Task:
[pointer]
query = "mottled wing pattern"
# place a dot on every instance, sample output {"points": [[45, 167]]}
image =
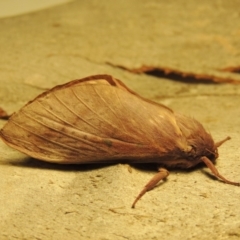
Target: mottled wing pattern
{"points": [[96, 120]]}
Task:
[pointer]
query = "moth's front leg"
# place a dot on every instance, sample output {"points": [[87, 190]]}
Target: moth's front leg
{"points": [[162, 173]]}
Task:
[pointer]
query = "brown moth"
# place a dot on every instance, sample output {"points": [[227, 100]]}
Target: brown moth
{"points": [[99, 120]]}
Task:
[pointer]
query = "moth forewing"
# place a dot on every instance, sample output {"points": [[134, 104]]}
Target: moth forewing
{"points": [[66, 125]]}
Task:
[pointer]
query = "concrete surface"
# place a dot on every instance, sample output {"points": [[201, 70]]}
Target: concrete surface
{"points": [[49, 201]]}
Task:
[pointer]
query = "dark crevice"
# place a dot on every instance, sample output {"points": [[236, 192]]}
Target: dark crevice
{"points": [[232, 69], [3, 114], [179, 77]]}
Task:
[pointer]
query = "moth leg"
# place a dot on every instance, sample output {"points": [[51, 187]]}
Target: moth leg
{"points": [[215, 171], [162, 173]]}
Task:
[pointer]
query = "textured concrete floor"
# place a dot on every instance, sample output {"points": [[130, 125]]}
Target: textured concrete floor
{"points": [[48, 201]]}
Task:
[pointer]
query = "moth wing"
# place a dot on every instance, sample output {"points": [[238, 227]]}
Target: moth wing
{"points": [[96, 119]]}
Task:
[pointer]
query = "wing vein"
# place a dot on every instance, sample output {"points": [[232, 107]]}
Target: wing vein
{"points": [[73, 112], [99, 117], [46, 139], [109, 107], [89, 143]]}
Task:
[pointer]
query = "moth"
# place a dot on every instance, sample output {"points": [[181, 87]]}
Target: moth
{"points": [[100, 120]]}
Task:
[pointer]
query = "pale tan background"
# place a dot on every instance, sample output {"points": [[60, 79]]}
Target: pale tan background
{"points": [[81, 38]]}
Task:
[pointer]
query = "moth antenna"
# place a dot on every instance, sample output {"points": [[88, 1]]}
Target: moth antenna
{"points": [[215, 171], [210, 151], [163, 173], [218, 144]]}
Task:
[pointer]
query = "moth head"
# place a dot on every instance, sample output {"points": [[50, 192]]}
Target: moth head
{"points": [[199, 147], [196, 142], [205, 147]]}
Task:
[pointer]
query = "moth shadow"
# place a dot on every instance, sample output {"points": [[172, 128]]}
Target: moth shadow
{"points": [[145, 167], [35, 163], [210, 175], [154, 166]]}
